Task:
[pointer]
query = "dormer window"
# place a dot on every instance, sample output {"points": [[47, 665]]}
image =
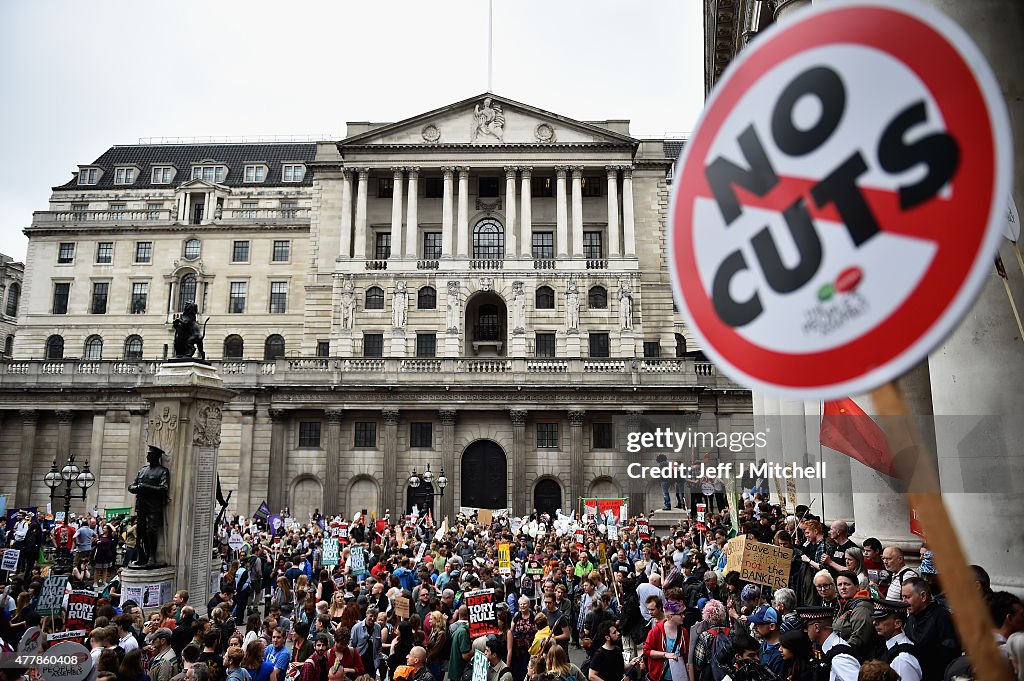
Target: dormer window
{"points": [[162, 174], [209, 173], [255, 173], [292, 172], [124, 176], [88, 176]]}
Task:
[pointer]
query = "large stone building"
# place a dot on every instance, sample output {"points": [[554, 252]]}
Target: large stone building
{"points": [[482, 288], [11, 275]]}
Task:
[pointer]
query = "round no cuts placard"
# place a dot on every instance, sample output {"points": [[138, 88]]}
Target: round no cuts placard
{"points": [[840, 204]]}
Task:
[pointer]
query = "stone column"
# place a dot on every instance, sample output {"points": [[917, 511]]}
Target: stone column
{"points": [[345, 238], [794, 442], [136, 443], [396, 213], [360, 250], [836, 497], [278, 491], [637, 493], [462, 248], [577, 211], [775, 450], [95, 456], [333, 503], [412, 217], [613, 210], [392, 484], [520, 500], [576, 480], [628, 235], [23, 493], [561, 213], [245, 462], [446, 214], [64, 420], [526, 214], [510, 211], [448, 455]]}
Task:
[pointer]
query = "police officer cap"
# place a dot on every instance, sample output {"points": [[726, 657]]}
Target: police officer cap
{"points": [[884, 608]]}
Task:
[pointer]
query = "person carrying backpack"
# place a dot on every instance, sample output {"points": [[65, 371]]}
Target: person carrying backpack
{"points": [[713, 642], [840, 661]]}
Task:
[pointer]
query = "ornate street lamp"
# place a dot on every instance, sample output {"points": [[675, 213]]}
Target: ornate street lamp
{"points": [[70, 476], [440, 481]]}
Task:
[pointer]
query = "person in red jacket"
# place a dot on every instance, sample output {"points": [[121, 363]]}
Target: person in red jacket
{"points": [[666, 646]]}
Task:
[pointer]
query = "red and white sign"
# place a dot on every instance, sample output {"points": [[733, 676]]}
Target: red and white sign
{"points": [[701, 510], [840, 204]]}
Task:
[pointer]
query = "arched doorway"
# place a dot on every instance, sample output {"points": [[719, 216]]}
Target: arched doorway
{"points": [[421, 497], [486, 326], [603, 488], [547, 496], [484, 475], [362, 497], [307, 495]]}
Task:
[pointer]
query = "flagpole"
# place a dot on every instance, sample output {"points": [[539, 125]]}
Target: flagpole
{"points": [[1020, 260], [490, 45]]}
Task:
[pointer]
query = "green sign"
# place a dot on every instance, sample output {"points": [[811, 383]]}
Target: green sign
{"points": [[330, 556], [114, 512]]}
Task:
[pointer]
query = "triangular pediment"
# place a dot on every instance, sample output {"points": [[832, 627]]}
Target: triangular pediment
{"points": [[487, 120], [197, 184]]}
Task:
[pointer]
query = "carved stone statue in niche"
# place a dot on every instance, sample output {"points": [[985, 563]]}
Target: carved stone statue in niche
{"points": [[399, 306], [348, 304], [518, 308], [454, 307], [490, 120], [572, 306], [625, 305]]}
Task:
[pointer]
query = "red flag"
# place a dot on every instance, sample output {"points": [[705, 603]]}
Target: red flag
{"points": [[847, 429]]}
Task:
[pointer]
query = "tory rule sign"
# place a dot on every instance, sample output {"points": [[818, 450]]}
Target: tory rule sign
{"points": [[839, 206]]}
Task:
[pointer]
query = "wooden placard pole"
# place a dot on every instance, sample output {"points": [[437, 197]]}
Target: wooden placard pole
{"points": [[970, 612]]}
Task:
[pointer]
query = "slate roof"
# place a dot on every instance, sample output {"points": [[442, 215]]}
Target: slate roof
{"points": [[673, 148], [183, 156]]}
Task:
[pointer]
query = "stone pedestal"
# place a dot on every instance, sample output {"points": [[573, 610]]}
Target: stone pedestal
{"points": [[627, 344], [398, 345], [185, 418], [518, 348], [344, 345], [572, 344], [134, 580], [451, 344]]}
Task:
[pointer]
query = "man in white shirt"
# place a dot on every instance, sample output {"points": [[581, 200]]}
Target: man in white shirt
{"points": [[892, 559], [646, 590], [818, 621], [888, 619]]}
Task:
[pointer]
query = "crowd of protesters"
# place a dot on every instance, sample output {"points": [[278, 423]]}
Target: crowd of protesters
{"points": [[637, 604]]}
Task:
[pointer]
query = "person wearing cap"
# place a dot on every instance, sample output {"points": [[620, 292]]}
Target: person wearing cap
{"points": [[889, 618], [844, 665], [164, 663], [765, 625]]}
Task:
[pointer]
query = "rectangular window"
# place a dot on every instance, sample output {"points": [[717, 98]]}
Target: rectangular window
{"points": [[236, 302], [598, 344], [143, 251], [282, 251], [543, 245], [153, 210], [489, 187], [249, 210], [323, 348], [221, 173], [104, 252], [65, 253], [652, 348], [547, 435], [591, 186], [117, 211], [79, 208], [140, 297], [289, 209], [100, 289], [161, 175], [88, 176], [240, 251], [545, 344], [309, 433], [61, 293], [593, 248], [426, 345], [373, 345], [385, 187], [542, 187], [433, 187], [421, 435], [365, 434], [255, 173], [602, 436], [382, 250], [432, 245], [278, 297], [292, 172], [124, 176]]}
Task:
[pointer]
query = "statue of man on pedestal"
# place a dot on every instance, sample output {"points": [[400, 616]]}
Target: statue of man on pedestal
{"points": [[151, 489]]}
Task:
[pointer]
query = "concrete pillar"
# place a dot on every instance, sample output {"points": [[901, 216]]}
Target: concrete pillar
{"points": [[837, 491], [333, 491], [576, 454], [393, 484], [637, 492], [463, 231], [29, 421], [577, 211], [520, 491], [613, 211], [794, 442], [245, 462], [628, 231], [360, 249], [345, 238], [526, 214], [278, 492], [95, 455], [448, 456], [64, 421], [775, 451], [396, 213], [136, 443], [446, 214], [561, 213], [412, 215], [510, 211]]}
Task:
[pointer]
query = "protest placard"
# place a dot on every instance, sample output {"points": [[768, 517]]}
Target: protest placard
{"points": [[330, 551], [81, 606], [151, 599], [643, 528], [484, 516], [10, 560], [72, 635], [402, 606], [759, 563], [483, 618], [480, 666], [504, 558], [51, 596], [136, 593], [357, 561]]}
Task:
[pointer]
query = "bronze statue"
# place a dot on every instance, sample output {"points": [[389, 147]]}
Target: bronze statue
{"points": [[188, 335], [151, 489]]}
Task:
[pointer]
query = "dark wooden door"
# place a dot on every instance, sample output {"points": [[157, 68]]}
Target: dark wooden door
{"points": [[484, 482], [547, 496]]}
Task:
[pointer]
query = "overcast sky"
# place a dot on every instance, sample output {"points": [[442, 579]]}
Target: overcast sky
{"points": [[79, 77]]}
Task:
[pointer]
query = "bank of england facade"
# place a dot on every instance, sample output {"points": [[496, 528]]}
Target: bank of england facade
{"points": [[483, 288]]}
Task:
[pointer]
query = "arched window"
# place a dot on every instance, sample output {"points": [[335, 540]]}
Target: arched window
{"points": [[133, 348], [9, 346], [13, 296], [94, 348], [233, 347], [274, 347], [545, 298], [597, 298], [680, 345], [55, 347], [191, 251], [374, 298], [426, 299], [187, 290], [488, 240]]}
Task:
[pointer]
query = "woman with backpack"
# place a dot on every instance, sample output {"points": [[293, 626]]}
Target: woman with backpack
{"points": [[715, 638], [557, 663], [666, 646]]}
